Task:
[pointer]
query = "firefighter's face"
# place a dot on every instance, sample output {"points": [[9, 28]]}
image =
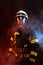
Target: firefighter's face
{"points": [[21, 20]]}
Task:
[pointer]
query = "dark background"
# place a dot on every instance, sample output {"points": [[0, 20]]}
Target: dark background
{"points": [[8, 9]]}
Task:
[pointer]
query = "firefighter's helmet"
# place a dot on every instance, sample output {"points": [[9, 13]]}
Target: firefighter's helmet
{"points": [[22, 17]]}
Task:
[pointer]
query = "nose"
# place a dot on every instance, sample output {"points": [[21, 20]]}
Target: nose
{"points": [[21, 21]]}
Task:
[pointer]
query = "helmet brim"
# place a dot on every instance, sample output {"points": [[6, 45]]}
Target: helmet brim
{"points": [[21, 16]]}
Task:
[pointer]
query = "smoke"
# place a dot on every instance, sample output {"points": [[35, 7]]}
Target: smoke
{"points": [[37, 24], [39, 35]]}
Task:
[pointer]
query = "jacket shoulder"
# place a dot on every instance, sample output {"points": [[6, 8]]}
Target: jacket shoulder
{"points": [[30, 31]]}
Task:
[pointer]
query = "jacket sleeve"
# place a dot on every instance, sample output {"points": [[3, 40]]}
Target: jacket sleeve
{"points": [[34, 47]]}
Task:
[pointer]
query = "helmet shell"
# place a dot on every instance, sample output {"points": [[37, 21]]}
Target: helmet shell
{"points": [[22, 13]]}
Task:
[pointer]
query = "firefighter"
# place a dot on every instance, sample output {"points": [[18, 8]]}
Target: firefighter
{"points": [[28, 44]]}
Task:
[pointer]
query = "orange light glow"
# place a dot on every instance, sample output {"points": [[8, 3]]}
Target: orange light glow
{"points": [[10, 49], [11, 38], [15, 42], [16, 33], [8, 54], [21, 56], [16, 54], [18, 21]]}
